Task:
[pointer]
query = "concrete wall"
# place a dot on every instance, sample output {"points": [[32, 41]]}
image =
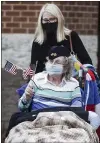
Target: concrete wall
{"points": [[17, 48]]}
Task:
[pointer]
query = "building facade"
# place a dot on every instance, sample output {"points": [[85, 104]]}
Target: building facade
{"points": [[19, 20]]}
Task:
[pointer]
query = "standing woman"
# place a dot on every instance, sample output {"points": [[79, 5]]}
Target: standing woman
{"points": [[51, 31]]}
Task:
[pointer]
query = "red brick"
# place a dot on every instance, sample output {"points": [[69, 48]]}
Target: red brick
{"points": [[56, 2], [65, 14], [83, 8], [87, 14], [90, 32], [5, 19], [12, 25], [20, 7], [95, 21], [2, 24], [71, 26], [75, 20], [94, 15], [86, 26], [90, 20], [66, 8], [95, 3], [28, 2], [5, 30], [80, 3], [12, 13], [79, 26], [68, 20], [6, 7], [43, 2], [31, 30], [94, 26], [19, 30], [92, 9], [72, 2], [65, 3], [87, 3], [95, 32], [12, 2], [80, 14], [28, 13], [28, 25], [2, 13], [82, 31], [19, 19], [75, 8], [96, 9], [71, 14], [33, 7], [33, 19], [82, 20]]}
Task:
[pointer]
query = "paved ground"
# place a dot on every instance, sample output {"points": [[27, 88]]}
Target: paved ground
{"points": [[9, 97]]}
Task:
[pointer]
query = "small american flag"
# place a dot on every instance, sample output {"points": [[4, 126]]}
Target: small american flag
{"points": [[11, 68], [27, 72]]}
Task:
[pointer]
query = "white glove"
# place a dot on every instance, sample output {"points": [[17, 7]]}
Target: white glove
{"points": [[94, 119]]}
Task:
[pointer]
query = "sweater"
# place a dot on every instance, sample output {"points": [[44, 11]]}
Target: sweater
{"points": [[47, 95], [40, 52]]}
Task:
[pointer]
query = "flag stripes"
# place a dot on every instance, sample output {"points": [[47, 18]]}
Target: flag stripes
{"points": [[11, 68]]}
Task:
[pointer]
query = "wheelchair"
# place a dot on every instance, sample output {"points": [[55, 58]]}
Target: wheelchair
{"points": [[88, 81]]}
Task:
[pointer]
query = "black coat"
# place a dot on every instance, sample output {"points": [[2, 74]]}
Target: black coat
{"points": [[40, 52]]}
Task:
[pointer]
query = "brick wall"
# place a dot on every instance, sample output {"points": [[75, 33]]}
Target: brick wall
{"points": [[21, 16]]}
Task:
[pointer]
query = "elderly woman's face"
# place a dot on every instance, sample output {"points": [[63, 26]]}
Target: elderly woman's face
{"points": [[60, 60], [56, 66]]}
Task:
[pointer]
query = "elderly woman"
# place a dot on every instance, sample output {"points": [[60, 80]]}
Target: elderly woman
{"points": [[55, 86]]}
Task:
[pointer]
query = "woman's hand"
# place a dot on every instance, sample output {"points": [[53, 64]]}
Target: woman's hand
{"points": [[29, 92]]}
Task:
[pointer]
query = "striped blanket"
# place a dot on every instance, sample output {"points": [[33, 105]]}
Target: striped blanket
{"points": [[53, 127]]}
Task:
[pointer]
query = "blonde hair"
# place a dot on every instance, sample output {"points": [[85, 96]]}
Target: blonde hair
{"points": [[61, 30], [68, 67]]}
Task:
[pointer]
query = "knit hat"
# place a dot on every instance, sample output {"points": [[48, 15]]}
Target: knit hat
{"points": [[57, 51]]}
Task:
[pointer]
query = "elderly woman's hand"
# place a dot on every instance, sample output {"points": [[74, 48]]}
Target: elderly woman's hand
{"points": [[28, 73], [29, 92]]}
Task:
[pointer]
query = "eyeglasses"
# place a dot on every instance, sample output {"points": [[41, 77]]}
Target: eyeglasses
{"points": [[50, 20]]}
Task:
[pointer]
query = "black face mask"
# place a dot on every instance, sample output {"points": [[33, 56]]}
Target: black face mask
{"points": [[50, 27]]}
